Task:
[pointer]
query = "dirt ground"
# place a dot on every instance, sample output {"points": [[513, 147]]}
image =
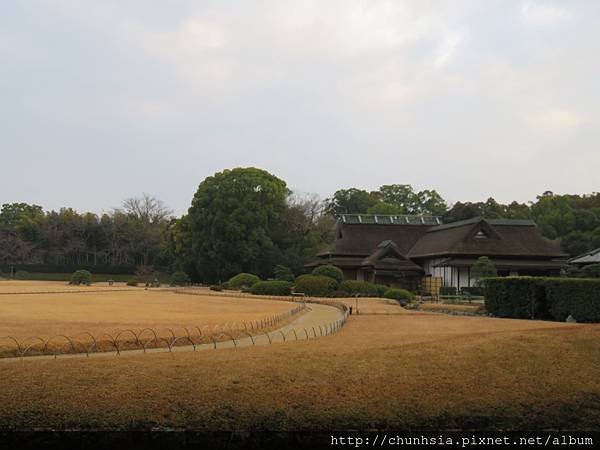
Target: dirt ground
{"points": [[380, 371]]}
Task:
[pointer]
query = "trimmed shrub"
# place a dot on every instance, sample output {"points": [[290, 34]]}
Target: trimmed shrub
{"points": [[362, 288], [216, 288], [339, 294], [447, 290], [315, 285], [274, 287], [473, 290], [132, 282], [179, 278], [81, 277], [243, 280], [591, 271], [283, 273], [398, 294], [329, 271], [578, 298]]}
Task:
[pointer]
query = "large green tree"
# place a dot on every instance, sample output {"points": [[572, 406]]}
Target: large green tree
{"points": [[234, 221]]}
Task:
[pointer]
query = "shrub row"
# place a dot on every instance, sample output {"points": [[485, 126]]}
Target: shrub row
{"points": [[274, 287], [543, 298], [473, 290]]}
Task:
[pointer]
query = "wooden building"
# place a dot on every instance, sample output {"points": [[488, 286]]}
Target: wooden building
{"points": [[404, 249]]}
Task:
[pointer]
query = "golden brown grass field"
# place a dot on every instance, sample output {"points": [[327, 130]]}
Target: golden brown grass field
{"points": [[400, 371], [116, 308]]}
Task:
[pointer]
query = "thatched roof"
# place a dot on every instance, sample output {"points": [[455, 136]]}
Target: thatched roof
{"points": [[490, 237], [592, 257], [363, 239]]}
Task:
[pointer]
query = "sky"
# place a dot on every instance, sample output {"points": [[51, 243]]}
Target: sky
{"points": [[105, 100]]}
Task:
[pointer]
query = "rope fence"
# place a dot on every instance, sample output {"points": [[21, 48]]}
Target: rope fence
{"points": [[141, 339], [246, 333]]}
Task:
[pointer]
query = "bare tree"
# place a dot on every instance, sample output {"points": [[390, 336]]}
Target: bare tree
{"points": [[147, 208]]}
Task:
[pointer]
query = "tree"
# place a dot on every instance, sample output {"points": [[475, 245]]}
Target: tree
{"points": [[351, 201], [234, 221], [283, 273], [147, 208], [483, 268]]}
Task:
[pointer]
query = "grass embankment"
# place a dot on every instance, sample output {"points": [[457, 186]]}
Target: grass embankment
{"points": [[397, 371]]}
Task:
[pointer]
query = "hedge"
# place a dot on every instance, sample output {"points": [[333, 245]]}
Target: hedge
{"points": [[543, 298], [516, 297], [362, 288], [473, 290], [315, 285], [329, 271], [578, 298], [243, 280], [274, 287], [447, 290]]}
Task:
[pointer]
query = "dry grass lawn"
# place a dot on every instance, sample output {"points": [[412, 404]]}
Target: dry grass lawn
{"points": [[45, 315], [395, 371]]}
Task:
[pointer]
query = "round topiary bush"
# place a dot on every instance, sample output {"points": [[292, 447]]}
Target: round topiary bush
{"points": [[274, 287], [243, 280], [132, 282], [398, 294], [315, 285], [361, 288], [329, 271], [179, 278], [81, 277]]}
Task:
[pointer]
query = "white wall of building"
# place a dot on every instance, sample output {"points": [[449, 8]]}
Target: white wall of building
{"points": [[452, 276]]}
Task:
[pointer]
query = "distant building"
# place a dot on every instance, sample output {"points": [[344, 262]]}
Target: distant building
{"points": [[397, 249], [586, 259]]}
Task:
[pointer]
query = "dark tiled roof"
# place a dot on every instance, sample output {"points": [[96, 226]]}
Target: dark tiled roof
{"points": [[587, 258], [503, 237]]}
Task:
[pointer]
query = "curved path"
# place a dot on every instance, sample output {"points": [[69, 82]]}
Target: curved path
{"points": [[318, 321]]}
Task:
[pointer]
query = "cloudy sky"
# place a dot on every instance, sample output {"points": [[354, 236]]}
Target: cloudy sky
{"points": [[103, 100]]}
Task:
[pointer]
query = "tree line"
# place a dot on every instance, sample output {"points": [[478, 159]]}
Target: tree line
{"points": [[248, 220]]}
